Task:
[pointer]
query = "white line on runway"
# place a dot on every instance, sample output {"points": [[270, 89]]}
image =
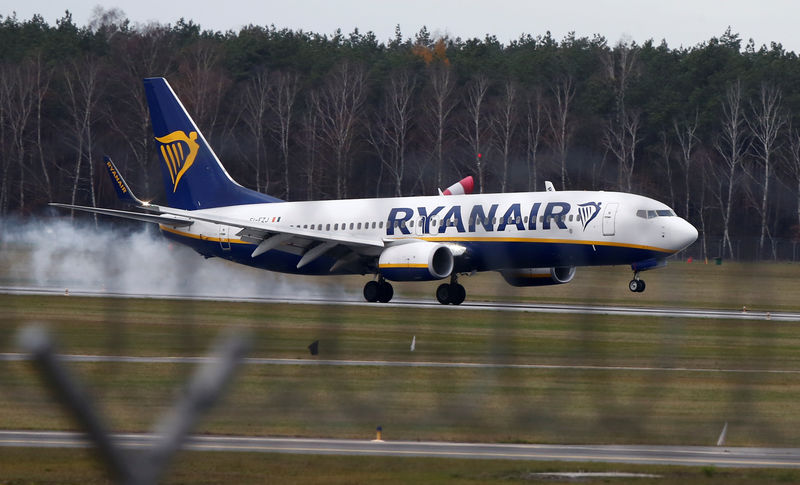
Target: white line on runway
{"points": [[470, 305], [129, 359], [679, 455]]}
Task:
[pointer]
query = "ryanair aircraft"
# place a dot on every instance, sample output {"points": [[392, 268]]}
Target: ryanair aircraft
{"points": [[531, 238]]}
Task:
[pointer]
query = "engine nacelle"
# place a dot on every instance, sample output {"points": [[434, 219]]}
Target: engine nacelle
{"points": [[538, 276], [416, 261]]}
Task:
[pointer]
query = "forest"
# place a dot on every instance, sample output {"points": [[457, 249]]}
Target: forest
{"points": [[713, 129]]}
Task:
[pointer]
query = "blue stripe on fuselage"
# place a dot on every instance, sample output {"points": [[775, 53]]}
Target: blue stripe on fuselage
{"points": [[481, 255]]}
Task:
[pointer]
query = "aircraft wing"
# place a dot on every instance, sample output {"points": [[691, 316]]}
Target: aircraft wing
{"points": [[310, 244], [167, 219], [261, 230]]}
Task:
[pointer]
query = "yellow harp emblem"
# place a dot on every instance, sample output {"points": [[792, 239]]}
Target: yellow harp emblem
{"points": [[179, 152]]}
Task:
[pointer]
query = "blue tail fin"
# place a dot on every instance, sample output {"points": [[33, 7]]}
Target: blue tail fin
{"points": [[194, 178]]}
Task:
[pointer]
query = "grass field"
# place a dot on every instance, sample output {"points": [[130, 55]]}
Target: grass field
{"points": [[577, 405]]}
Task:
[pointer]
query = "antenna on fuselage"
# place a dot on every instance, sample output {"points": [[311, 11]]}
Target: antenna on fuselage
{"points": [[548, 186]]}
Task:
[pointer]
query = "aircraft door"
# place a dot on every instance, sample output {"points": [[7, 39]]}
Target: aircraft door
{"points": [[419, 226], [224, 242], [609, 214]]}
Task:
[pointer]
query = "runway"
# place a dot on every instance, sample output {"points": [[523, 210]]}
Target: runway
{"points": [[633, 454], [738, 314], [130, 359]]}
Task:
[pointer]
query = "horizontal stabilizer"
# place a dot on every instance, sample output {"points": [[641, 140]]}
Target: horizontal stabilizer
{"points": [[166, 219]]}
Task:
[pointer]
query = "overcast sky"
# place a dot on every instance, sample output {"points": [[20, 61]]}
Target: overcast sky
{"points": [[679, 22]]}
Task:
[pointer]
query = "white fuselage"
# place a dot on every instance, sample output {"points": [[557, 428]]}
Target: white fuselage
{"points": [[498, 231]]}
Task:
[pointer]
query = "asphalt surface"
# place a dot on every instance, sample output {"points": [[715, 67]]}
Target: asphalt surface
{"points": [[645, 454], [666, 455], [738, 314], [129, 359]]}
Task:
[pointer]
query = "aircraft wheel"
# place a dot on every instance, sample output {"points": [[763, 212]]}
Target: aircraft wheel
{"points": [[385, 292], [641, 286], [443, 293], [634, 286], [371, 291], [457, 294]]}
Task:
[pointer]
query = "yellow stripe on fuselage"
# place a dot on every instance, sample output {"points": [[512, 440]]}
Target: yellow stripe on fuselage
{"points": [[404, 265], [455, 239]]}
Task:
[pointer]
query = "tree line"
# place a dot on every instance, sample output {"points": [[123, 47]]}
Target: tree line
{"points": [[710, 129]]}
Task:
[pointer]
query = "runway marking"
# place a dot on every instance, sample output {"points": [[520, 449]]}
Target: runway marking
{"points": [[428, 304], [129, 359], [735, 457]]}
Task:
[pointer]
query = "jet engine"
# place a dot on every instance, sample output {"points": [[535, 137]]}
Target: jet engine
{"points": [[538, 276], [416, 261]]}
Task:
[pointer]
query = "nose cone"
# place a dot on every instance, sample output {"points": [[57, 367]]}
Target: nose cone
{"points": [[683, 234]]}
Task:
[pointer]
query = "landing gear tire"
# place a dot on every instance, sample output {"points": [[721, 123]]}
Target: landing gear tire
{"points": [[636, 286], [443, 293], [385, 292], [451, 294], [371, 291], [457, 294]]}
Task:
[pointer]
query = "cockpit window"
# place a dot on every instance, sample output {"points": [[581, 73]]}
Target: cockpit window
{"points": [[649, 214]]}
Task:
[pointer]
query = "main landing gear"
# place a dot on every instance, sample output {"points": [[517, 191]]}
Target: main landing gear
{"points": [[636, 285], [380, 290], [451, 293]]}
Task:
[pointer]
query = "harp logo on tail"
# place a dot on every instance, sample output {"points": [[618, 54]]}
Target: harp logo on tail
{"points": [[588, 211], [179, 152]]}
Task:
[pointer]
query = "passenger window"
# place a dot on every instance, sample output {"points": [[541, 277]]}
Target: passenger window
{"points": [[351, 226], [380, 224], [410, 223], [541, 218], [570, 218], [373, 224], [359, 226], [327, 227], [336, 227], [525, 219], [305, 226]]}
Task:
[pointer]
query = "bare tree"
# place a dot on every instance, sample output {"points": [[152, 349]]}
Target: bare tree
{"points": [[666, 161], [149, 52], [310, 134], [793, 163], [474, 132], [533, 135], [731, 145], [19, 107], [255, 103], [284, 95], [766, 123], [620, 137], [621, 134], [340, 103], [685, 133], [81, 82], [388, 134], [5, 158], [563, 91], [441, 83], [203, 83], [504, 125]]}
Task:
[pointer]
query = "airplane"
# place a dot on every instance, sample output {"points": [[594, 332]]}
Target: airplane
{"points": [[530, 238]]}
